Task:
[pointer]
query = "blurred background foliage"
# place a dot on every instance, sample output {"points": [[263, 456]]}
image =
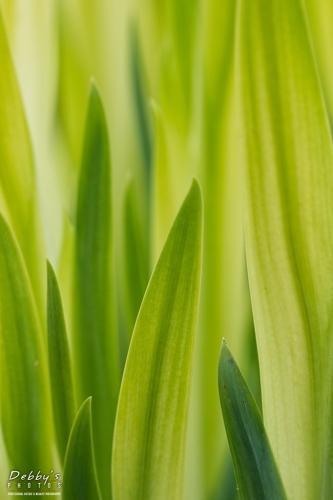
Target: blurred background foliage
{"points": [[165, 71]]}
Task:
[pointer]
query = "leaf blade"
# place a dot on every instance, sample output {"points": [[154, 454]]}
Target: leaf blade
{"points": [[25, 411], [287, 159], [60, 369], [254, 464], [95, 338], [80, 478], [136, 261], [145, 465]]}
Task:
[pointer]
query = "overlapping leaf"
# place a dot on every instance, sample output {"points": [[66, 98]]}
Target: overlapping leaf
{"points": [[80, 480], [289, 231], [60, 366], [150, 434], [255, 469]]}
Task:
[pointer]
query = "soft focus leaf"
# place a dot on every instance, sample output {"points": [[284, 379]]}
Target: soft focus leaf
{"points": [[60, 368], [141, 108], [255, 469], [288, 162], [223, 305], [95, 339], [150, 435], [136, 265], [80, 478], [18, 195], [25, 415]]}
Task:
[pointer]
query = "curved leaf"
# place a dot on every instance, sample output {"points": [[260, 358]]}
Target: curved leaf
{"points": [[80, 478], [150, 433], [95, 338], [25, 411], [255, 469], [289, 232], [60, 368]]}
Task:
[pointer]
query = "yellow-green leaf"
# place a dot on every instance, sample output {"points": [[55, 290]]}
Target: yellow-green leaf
{"points": [[256, 473], [80, 477], [25, 405], [288, 168], [150, 433]]}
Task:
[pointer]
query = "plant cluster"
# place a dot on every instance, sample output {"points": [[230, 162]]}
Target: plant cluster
{"points": [[181, 195]]}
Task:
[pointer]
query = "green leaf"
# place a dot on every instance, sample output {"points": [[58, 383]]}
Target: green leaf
{"points": [[18, 194], [136, 265], [95, 338], [25, 406], [139, 92], [255, 469], [60, 368], [150, 433], [288, 168], [80, 477]]}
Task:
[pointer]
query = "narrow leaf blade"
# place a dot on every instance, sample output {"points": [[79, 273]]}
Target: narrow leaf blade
{"points": [[25, 406], [150, 433], [256, 472], [60, 368], [80, 478], [139, 94], [136, 265], [95, 339]]}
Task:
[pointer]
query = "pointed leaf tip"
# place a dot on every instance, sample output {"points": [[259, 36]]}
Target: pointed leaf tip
{"points": [[60, 369], [80, 478], [148, 452], [256, 472]]}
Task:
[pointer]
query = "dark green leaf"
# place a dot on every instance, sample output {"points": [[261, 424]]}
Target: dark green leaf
{"points": [[95, 339], [60, 368], [255, 469]]}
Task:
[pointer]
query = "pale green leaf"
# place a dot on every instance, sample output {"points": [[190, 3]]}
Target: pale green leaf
{"points": [[150, 433], [95, 338], [18, 195], [25, 406], [255, 469], [288, 167], [80, 480], [60, 368]]}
